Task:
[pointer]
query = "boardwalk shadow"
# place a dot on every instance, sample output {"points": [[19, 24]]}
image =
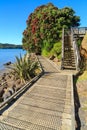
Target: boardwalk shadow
{"points": [[11, 102], [77, 105], [2, 110]]}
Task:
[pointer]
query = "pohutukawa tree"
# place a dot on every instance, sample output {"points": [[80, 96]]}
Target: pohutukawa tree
{"points": [[44, 27]]}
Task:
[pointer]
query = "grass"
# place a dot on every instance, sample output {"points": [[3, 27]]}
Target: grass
{"points": [[83, 77], [84, 108]]}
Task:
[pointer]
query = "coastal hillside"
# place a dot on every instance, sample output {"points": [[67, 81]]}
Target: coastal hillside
{"points": [[10, 46]]}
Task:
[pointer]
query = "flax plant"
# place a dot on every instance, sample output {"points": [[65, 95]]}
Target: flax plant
{"points": [[24, 68]]}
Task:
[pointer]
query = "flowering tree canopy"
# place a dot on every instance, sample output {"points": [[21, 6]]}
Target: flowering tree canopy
{"points": [[44, 27]]}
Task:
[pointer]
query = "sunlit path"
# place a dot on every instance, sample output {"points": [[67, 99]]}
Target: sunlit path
{"points": [[47, 105]]}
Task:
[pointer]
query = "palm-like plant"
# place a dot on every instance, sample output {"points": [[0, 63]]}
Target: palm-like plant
{"points": [[24, 68]]}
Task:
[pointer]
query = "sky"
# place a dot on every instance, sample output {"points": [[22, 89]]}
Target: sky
{"points": [[14, 13]]}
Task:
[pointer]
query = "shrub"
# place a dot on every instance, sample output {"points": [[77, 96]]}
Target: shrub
{"points": [[56, 50], [53, 51], [24, 68]]}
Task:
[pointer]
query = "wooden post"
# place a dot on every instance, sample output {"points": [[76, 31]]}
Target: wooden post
{"points": [[62, 48]]}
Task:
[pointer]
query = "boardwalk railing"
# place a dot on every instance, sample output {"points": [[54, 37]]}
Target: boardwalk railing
{"points": [[73, 107], [77, 55], [76, 50], [23, 89], [80, 30], [74, 45], [62, 59], [19, 92]]}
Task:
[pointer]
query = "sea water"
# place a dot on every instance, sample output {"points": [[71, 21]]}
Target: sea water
{"points": [[9, 55]]}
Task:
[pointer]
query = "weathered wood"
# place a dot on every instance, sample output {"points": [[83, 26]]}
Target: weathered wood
{"points": [[47, 105]]}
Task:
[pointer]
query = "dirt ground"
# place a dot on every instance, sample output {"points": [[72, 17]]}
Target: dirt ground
{"points": [[80, 89]]}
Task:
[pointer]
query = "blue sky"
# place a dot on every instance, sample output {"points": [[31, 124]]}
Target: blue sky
{"points": [[14, 13]]}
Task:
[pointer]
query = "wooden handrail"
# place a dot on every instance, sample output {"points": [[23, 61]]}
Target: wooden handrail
{"points": [[76, 50], [77, 55], [20, 91], [80, 30], [24, 88], [62, 48]]}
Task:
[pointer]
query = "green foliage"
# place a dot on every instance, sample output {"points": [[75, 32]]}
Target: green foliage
{"points": [[79, 42], [56, 50], [59, 57], [44, 27], [24, 68], [45, 53]]}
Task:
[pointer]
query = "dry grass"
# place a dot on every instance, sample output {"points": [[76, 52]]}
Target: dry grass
{"points": [[83, 77]]}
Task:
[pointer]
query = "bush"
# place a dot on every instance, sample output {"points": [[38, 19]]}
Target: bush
{"points": [[56, 50], [79, 41], [45, 53], [24, 68]]}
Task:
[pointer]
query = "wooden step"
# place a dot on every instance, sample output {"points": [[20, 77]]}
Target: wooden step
{"points": [[69, 67]]}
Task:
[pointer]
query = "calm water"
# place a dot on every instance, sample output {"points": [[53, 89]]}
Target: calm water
{"points": [[7, 55]]}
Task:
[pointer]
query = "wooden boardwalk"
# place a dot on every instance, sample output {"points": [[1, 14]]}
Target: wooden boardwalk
{"points": [[47, 105]]}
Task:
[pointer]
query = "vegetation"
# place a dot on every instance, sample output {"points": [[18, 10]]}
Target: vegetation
{"points": [[21, 72], [10, 46], [79, 41], [24, 68], [83, 76], [44, 28]]}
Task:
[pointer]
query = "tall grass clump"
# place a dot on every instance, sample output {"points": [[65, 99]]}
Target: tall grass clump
{"points": [[24, 68]]}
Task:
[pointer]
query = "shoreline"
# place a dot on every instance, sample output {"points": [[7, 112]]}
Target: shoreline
{"points": [[4, 70], [9, 55]]}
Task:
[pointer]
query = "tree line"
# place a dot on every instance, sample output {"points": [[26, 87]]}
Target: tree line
{"points": [[10, 46]]}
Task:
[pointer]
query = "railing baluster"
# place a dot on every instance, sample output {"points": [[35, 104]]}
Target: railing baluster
{"points": [[75, 47], [62, 48], [77, 55]]}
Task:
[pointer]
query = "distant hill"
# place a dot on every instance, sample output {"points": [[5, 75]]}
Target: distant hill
{"points": [[10, 46]]}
